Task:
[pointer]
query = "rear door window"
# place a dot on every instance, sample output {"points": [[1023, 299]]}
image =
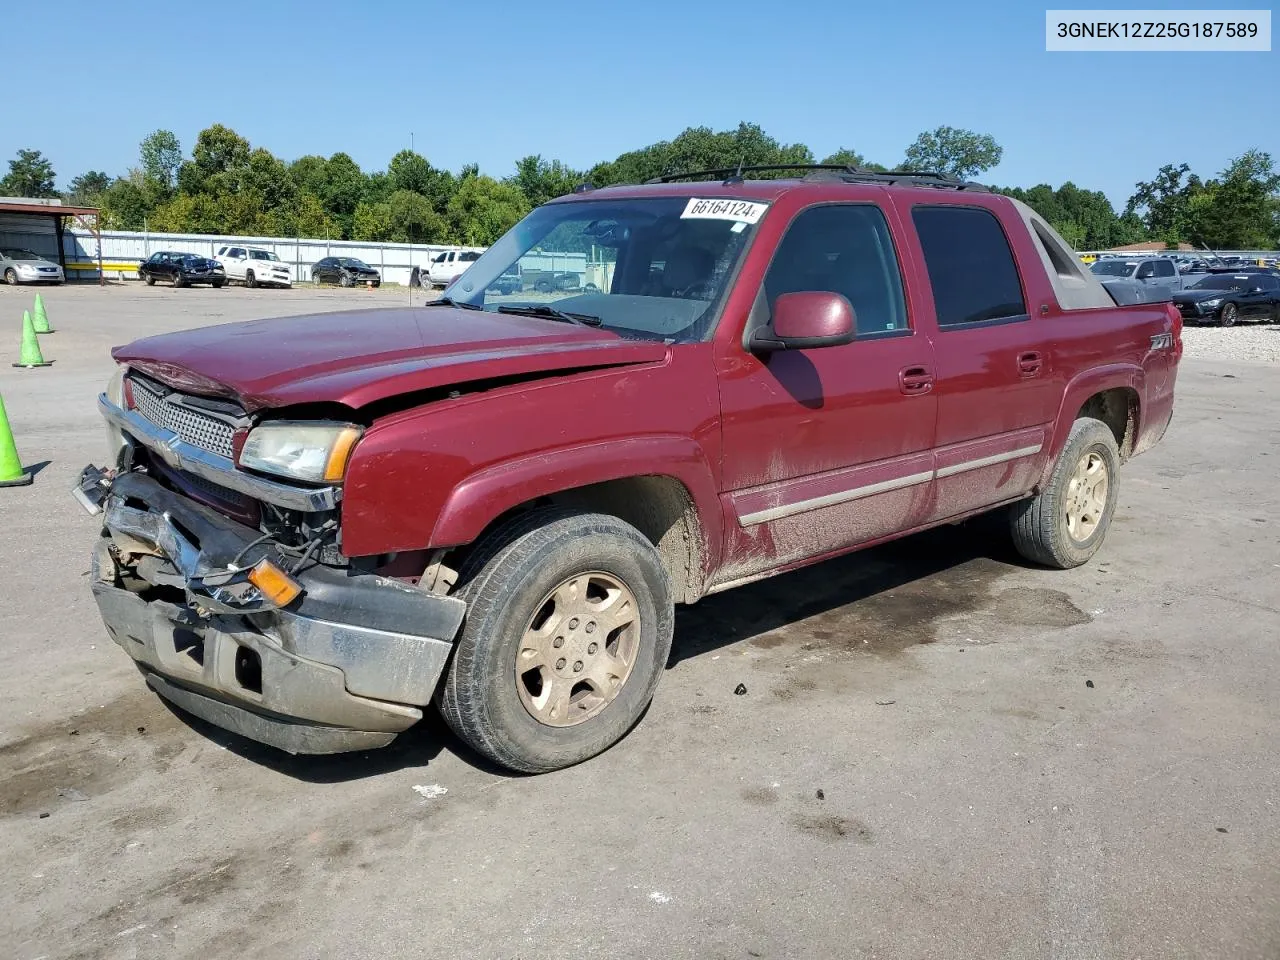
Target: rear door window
{"points": [[1164, 268], [971, 267]]}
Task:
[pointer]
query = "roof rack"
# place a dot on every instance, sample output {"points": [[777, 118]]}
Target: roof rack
{"points": [[916, 178]]}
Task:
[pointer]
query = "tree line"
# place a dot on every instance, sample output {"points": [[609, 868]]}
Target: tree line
{"points": [[228, 186]]}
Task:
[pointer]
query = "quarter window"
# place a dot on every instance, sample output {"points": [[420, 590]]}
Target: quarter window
{"points": [[845, 249], [971, 268]]}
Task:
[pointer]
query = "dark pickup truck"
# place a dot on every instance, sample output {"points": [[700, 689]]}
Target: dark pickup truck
{"points": [[315, 527]]}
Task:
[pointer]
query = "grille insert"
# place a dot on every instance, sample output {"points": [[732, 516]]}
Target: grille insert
{"points": [[199, 429]]}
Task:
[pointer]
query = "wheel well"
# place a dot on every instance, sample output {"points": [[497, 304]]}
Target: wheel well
{"points": [[660, 507], [1118, 409]]}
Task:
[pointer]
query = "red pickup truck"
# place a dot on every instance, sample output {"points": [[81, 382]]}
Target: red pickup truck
{"points": [[314, 527]]}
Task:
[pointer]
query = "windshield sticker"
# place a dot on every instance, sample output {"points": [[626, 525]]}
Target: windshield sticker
{"points": [[743, 211]]}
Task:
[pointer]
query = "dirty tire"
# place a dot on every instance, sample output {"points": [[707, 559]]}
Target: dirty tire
{"points": [[1039, 524], [505, 580]]}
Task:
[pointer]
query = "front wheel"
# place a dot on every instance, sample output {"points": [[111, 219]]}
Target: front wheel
{"points": [[1229, 315], [250, 280], [178, 281], [1065, 524], [568, 627], [217, 284], [151, 281], [346, 281]]}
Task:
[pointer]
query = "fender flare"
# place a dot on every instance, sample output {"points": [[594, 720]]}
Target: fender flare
{"points": [[1096, 380], [483, 496]]}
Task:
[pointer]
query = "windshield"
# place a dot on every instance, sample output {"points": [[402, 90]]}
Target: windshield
{"points": [[653, 268], [1222, 283], [1113, 268], [262, 255], [350, 262], [20, 255]]}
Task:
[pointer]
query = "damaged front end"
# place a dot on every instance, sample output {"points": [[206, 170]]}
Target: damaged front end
{"points": [[228, 591]]}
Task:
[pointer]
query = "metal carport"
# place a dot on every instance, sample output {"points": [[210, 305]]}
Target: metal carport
{"points": [[39, 225]]}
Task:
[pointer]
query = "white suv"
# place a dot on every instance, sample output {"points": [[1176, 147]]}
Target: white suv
{"points": [[448, 266], [254, 267]]}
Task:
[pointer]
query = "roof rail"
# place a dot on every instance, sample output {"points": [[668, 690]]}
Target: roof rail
{"points": [[919, 178]]}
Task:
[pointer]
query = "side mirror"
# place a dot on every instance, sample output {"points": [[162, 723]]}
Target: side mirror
{"points": [[806, 321]]}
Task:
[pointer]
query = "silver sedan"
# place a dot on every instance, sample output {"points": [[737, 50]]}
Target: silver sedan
{"points": [[23, 266]]}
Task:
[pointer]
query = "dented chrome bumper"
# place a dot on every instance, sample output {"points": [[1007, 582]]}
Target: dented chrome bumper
{"points": [[347, 665]]}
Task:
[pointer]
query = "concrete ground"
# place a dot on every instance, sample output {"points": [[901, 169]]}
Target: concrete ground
{"points": [[940, 752]]}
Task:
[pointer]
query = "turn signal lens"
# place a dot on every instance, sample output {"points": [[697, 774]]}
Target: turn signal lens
{"points": [[276, 585], [336, 466]]}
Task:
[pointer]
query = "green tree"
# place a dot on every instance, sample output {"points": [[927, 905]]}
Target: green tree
{"points": [[954, 152], [700, 148], [87, 189], [405, 217], [1241, 206], [304, 217], [30, 175], [1164, 203], [482, 210], [161, 156], [852, 158], [542, 180], [125, 205]]}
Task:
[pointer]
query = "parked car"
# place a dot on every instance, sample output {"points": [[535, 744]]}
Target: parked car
{"points": [[344, 271], [181, 269], [320, 525], [448, 265], [1226, 299], [509, 282], [18, 265], [1159, 274], [254, 267]]}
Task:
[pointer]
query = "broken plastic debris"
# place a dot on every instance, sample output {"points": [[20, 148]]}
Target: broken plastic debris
{"points": [[1089, 684], [659, 897], [819, 794], [885, 703], [429, 791], [71, 793], [740, 689]]}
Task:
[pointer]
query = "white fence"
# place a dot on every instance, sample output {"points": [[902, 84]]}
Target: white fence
{"points": [[122, 251]]}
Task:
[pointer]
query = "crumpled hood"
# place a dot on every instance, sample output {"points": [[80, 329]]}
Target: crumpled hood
{"points": [[362, 356]]}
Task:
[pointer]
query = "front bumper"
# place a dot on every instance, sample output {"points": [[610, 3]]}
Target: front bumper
{"points": [[41, 276], [346, 666]]}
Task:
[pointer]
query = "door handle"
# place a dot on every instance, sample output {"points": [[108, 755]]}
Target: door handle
{"points": [[1029, 363], [915, 380]]}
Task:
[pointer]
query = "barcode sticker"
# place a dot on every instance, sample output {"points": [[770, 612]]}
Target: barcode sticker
{"points": [[743, 211]]}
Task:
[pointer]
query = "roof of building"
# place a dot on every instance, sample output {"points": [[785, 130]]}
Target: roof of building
{"points": [[50, 208]]}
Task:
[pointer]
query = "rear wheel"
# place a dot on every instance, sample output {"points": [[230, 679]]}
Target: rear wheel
{"points": [[250, 280], [1229, 315], [1065, 524], [568, 628]]}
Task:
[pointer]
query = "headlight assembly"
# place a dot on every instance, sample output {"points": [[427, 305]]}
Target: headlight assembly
{"points": [[1215, 302], [309, 451]]}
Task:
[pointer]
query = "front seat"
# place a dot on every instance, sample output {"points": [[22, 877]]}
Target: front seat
{"points": [[687, 273]]}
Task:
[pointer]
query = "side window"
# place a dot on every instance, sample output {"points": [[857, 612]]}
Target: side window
{"points": [[222, 252], [1164, 268], [1146, 271], [440, 258], [971, 268], [469, 257], [845, 249]]}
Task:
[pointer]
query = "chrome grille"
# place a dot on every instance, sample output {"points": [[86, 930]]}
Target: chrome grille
{"points": [[198, 429]]}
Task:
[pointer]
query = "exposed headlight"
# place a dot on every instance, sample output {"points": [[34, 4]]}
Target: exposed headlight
{"points": [[115, 394], [314, 452], [1215, 302]]}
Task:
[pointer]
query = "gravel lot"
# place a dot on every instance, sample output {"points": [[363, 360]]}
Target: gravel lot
{"points": [[941, 753], [1254, 342]]}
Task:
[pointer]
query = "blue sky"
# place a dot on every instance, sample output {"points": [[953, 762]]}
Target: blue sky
{"points": [[488, 82]]}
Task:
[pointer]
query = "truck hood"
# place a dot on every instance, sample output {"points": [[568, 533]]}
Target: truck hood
{"points": [[359, 357]]}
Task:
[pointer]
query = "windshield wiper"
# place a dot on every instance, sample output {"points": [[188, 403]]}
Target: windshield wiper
{"points": [[450, 302], [551, 313]]}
